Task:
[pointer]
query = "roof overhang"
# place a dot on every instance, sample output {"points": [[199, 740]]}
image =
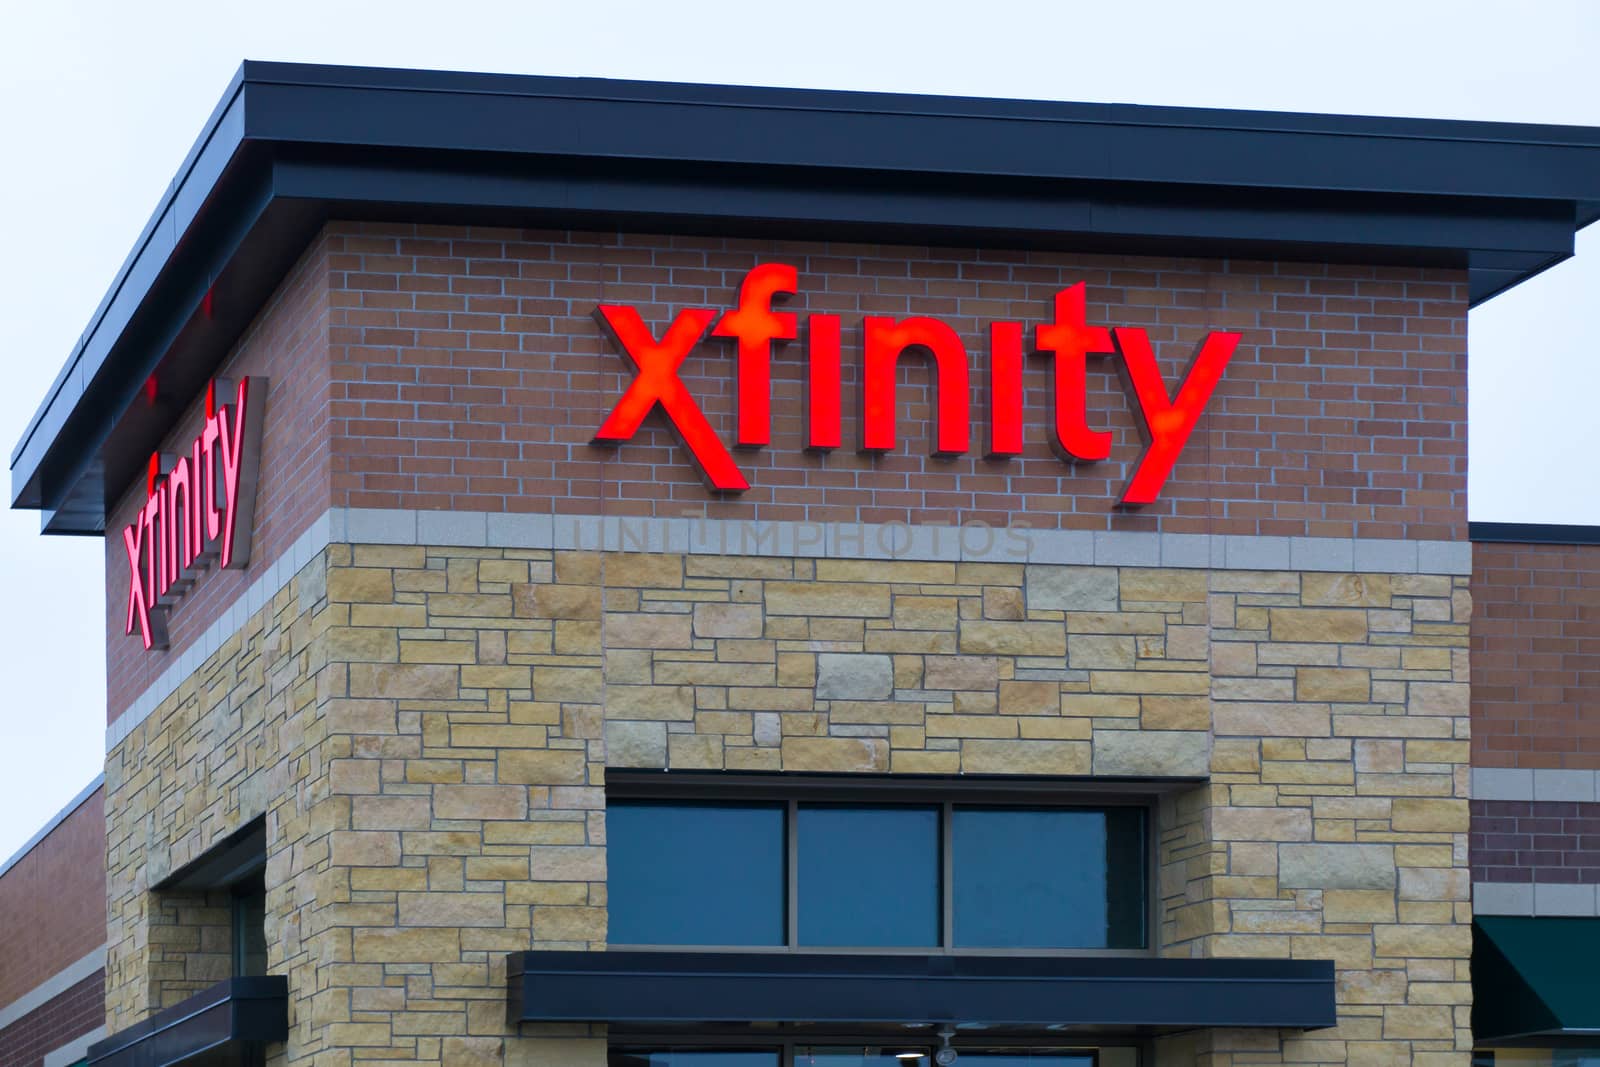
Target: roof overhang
{"points": [[1534, 982], [291, 147]]}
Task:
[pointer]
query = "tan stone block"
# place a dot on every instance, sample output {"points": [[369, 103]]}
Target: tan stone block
{"points": [[1152, 753], [1100, 705], [1025, 757], [556, 601], [961, 672], [647, 630], [353, 775], [406, 946], [1438, 698], [405, 681], [1372, 987], [1235, 658], [1358, 905], [925, 612], [642, 569], [434, 908], [1314, 625], [1348, 953], [1267, 720], [390, 813], [534, 767], [877, 712], [355, 848], [901, 572], [469, 606], [1030, 698], [970, 726], [1424, 751], [1380, 756], [850, 599], [983, 637], [496, 677], [728, 620], [438, 652], [694, 751], [1253, 859], [478, 802], [569, 924], [1435, 883], [352, 644], [1260, 824], [1003, 604], [834, 753], [360, 585], [1337, 866], [1433, 941], [1175, 713], [1340, 684], [660, 702], [1100, 650], [574, 685], [1427, 815], [1156, 585], [690, 672], [1235, 757], [567, 863], [910, 762], [911, 642], [1307, 773], [389, 615], [1345, 590], [496, 868], [1416, 1022]]}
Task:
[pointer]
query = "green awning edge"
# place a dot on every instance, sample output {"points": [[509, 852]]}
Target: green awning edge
{"points": [[1535, 981]]}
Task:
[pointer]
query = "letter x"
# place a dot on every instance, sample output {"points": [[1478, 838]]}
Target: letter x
{"points": [[658, 383]]}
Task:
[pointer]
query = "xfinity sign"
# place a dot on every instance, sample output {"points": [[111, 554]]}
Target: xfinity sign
{"points": [[1166, 419]]}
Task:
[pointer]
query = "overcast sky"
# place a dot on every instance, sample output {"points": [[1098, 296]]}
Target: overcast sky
{"points": [[100, 101]]}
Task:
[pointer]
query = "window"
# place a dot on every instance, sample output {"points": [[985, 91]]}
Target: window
{"points": [[829, 875], [250, 927], [875, 1054]]}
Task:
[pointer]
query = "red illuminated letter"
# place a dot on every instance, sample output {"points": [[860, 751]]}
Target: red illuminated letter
{"points": [[756, 326], [822, 383], [1168, 422], [150, 619], [1005, 389], [658, 382], [240, 444], [886, 339], [1073, 341]]}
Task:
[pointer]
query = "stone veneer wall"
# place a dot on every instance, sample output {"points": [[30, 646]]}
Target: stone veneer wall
{"points": [[427, 731]]}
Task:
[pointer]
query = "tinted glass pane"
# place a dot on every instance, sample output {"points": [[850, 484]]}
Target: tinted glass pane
{"points": [[692, 1058], [1039, 878], [695, 874], [869, 876], [870, 1056], [1027, 1058], [250, 930]]}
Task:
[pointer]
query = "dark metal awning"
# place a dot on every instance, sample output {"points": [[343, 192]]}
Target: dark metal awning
{"points": [[1535, 981], [220, 1027], [1145, 994]]}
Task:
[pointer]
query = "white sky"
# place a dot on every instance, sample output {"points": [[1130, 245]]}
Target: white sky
{"points": [[99, 101]]}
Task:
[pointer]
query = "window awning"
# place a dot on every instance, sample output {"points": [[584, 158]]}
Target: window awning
{"points": [[1535, 982], [223, 1026]]}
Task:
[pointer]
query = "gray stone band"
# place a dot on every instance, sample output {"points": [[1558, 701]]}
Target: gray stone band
{"points": [[1534, 898], [1502, 783]]}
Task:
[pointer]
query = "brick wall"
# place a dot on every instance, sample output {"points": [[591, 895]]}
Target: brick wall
{"points": [[1536, 656], [66, 869], [72, 1014], [1536, 841], [470, 374]]}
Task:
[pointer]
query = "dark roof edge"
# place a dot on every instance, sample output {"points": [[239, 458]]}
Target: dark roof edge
{"points": [[1533, 533], [55, 820]]}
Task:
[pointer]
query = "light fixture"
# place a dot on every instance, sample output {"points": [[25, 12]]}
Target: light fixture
{"points": [[908, 1056]]}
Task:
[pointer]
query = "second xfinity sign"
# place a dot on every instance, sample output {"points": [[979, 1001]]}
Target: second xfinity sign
{"points": [[1166, 418]]}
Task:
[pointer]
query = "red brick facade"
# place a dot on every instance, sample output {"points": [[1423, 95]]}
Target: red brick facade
{"points": [[1536, 656], [71, 1014], [68, 869], [467, 373], [1535, 841]]}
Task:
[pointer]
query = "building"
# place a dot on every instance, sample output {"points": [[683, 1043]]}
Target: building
{"points": [[901, 575]]}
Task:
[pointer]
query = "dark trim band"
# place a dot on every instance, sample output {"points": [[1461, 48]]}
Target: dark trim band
{"points": [[1143, 994], [223, 1022]]}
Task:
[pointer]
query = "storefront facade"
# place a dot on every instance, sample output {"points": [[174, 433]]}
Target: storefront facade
{"points": [[599, 595]]}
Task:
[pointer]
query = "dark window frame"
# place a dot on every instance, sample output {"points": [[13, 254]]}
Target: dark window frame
{"points": [[792, 790]]}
